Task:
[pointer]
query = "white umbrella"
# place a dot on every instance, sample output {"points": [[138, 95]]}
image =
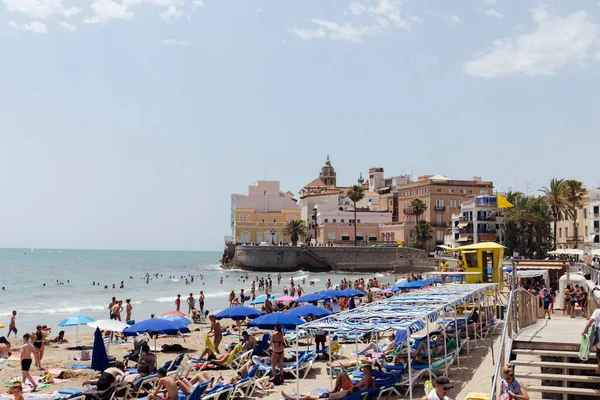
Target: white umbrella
{"points": [[108, 325]]}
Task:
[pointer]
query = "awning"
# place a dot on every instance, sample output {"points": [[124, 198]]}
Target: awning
{"points": [[463, 224], [591, 238], [538, 267]]}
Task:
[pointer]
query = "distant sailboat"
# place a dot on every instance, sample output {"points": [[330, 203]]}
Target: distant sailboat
{"points": [[31, 251]]}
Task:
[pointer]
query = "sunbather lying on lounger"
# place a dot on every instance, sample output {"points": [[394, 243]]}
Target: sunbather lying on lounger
{"points": [[188, 385], [326, 395], [218, 358], [384, 348], [343, 381]]}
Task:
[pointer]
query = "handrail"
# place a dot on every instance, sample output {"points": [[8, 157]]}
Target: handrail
{"points": [[501, 355], [527, 313]]}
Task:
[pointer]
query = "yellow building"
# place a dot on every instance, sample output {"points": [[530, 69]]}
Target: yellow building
{"points": [[261, 215]]}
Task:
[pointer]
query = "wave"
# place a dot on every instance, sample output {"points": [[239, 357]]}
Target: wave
{"points": [[71, 309]]}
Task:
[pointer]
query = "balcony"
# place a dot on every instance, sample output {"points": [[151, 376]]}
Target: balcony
{"points": [[440, 208], [438, 224]]}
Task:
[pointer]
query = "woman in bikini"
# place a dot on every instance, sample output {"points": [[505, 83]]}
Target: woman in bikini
{"points": [[39, 337], [278, 349]]}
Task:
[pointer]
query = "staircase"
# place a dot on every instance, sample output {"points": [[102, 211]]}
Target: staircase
{"points": [[546, 361]]}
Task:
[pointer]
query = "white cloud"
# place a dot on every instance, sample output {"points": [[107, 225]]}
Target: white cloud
{"points": [[67, 27], [452, 19], [33, 26], [175, 42], [490, 12], [376, 17], [108, 9], [40, 9], [198, 3], [555, 44], [171, 13], [490, 1]]}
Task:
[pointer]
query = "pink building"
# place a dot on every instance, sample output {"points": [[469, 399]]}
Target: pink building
{"points": [[337, 227]]}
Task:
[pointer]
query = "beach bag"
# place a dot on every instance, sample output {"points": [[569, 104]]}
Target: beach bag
{"points": [[595, 333], [277, 380]]}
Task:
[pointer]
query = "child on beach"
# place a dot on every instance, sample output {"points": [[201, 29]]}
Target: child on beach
{"points": [[16, 390], [27, 350]]}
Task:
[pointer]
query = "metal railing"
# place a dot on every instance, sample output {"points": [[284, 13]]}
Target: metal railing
{"points": [[526, 313]]}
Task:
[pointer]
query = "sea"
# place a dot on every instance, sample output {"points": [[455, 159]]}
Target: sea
{"points": [[46, 286]]}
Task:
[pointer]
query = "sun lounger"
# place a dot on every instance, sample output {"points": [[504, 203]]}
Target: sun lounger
{"points": [[262, 346]]}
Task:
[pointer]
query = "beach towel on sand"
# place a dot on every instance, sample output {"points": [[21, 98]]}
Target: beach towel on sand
{"points": [[78, 366]]}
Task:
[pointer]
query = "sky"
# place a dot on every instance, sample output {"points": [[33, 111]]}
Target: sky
{"points": [[128, 124]]}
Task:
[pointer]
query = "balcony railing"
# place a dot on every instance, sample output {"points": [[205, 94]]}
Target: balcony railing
{"points": [[438, 224], [440, 208]]}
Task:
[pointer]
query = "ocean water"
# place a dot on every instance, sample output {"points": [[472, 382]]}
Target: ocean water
{"points": [[46, 286]]}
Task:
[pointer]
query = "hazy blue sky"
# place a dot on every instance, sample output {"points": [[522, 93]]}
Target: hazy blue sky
{"points": [[128, 123]]}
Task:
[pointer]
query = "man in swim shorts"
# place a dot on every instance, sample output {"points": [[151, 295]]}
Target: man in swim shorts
{"points": [[27, 351], [12, 326]]}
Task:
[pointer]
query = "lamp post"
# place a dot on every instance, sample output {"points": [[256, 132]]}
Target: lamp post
{"points": [[360, 183]]}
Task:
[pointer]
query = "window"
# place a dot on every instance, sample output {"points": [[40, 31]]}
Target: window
{"points": [[451, 190], [567, 233], [331, 236], [372, 237], [585, 215], [359, 236], [244, 218], [461, 191], [245, 237], [274, 221], [470, 191], [460, 203], [425, 190], [345, 236], [334, 220], [259, 237], [586, 231], [439, 203], [452, 203], [342, 221], [439, 190], [439, 235], [326, 219], [263, 221], [414, 192], [483, 192], [358, 221]]}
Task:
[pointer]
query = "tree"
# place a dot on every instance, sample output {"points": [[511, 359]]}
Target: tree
{"points": [[527, 226], [556, 201], [573, 192], [423, 233], [417, 208], [295, 230], [356, 194]]}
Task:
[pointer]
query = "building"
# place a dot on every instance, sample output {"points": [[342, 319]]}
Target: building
{"points": [[441, 195], [261, 215], [587, 225], [337, 227], [477, 221]]}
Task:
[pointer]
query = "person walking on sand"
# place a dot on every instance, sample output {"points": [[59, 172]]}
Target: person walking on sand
{"points": [[191, 301], [12, 326], [595, 317], [39, 337], [178, 302], [128, 310], [27, 351]]}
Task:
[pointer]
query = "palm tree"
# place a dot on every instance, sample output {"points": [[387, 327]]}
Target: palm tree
{"points": [[423, 233], [573, 192], [527, 226], [556, 201], [417, 208], [295, 229], [356, 194]]}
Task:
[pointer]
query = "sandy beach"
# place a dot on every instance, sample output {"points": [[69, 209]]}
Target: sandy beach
{"points": [[57, 356]]}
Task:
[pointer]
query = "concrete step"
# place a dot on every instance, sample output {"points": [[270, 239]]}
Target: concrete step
{"points": [[551, 353], [548, 364], [564, 390], [559, 377]]}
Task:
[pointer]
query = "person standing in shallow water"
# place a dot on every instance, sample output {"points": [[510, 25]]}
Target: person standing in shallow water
{"points": [[191, 301], [178, 302], [128, 310]]}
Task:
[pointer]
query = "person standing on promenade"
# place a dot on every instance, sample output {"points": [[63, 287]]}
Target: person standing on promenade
{"points": [[595, 318], [191, 301], [201, 301], [128, 310], [27, 350], [12, 326], [178, 302]]}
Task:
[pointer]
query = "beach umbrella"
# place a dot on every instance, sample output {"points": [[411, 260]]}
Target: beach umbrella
{"points": [[268, 321], [401, 280], [238, 313], [155, 326], [309, 298], [108, 325], [178, 319], [409, 285], [76, 320], [308, 310], [332, 294], [175, 313], [99, 356], [352, 292], [387, 291], [285, 298], [261, 299]]}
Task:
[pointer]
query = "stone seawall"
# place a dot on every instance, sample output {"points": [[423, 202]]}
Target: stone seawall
{"points": [[347, 259]]}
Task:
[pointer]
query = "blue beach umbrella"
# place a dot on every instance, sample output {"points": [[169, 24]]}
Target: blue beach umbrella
{"points": [[178, 319], [238, 313], [308, 310], [261, 299], [332, 294], [99, 356], [409, 285], [76, 320], [352, 292], [268, 321], [309, 298]]}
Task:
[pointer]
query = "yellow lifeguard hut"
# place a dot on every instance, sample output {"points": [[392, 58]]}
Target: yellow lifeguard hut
{"points": [[478, 258]]}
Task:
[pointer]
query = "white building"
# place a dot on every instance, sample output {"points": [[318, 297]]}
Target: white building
{"points": [[593, 220], [478, 221]]}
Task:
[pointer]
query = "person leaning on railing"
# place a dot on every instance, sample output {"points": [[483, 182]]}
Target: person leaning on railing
{"points": [[511, 389], [595, 318]]}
